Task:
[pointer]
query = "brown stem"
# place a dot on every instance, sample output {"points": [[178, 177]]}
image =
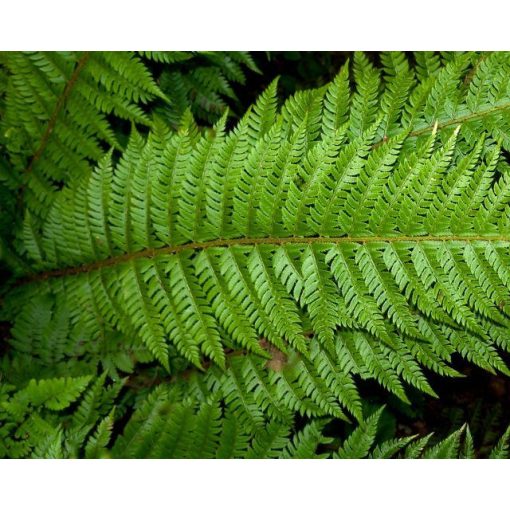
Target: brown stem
{"points": [[58, 107], [225, 243], [452, 122]]}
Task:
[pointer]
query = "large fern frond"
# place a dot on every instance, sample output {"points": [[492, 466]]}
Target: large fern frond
{"points": [[369, 258], [346, 236]]}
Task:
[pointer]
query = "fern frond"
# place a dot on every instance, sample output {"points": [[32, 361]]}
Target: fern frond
{"points": [[358, 444], [32, 422], [389, 283], [59, 108], [56, 113], [202, 81], [341, 237]]}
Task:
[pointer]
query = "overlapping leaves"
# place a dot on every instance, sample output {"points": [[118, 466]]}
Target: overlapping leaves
{"points": [[350, 235]]}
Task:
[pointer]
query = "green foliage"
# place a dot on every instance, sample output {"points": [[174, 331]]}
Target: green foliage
{"points": [[62, 109], [364, 442], [43, 420], [204, 84], [56, 114], [359, 232]]}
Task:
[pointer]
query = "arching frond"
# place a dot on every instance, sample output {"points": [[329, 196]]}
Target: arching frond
{"points": [[359, 232]]}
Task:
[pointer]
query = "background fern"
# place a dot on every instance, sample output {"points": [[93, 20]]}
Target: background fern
{"points": [[272, 270], [62, 110], [204, 84]]}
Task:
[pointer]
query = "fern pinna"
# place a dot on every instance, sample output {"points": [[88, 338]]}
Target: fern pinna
{"points": [[360, 231]]}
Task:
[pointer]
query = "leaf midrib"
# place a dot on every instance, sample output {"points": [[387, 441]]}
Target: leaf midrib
{"points": [[225, 243], [454, 121], [254, 241]]}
